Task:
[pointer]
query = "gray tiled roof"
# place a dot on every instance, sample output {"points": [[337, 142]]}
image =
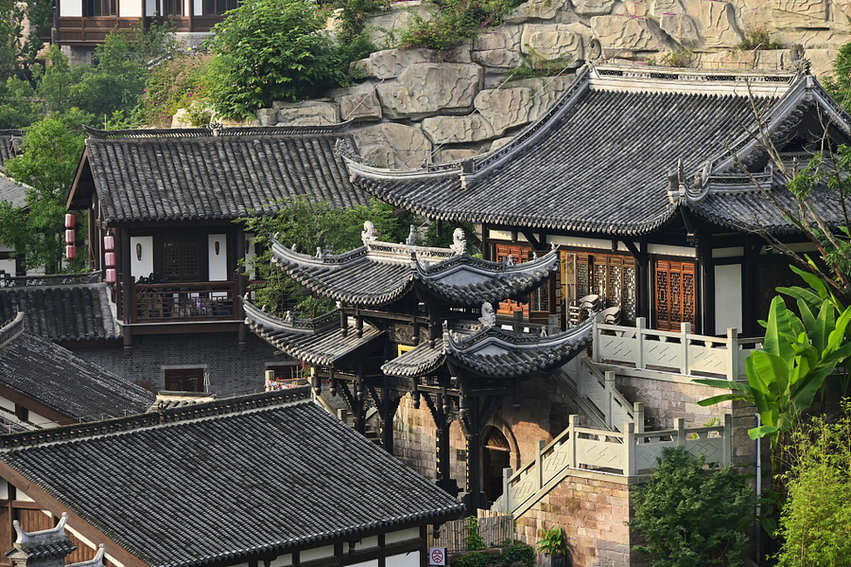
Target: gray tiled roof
{"points": [[62, 312], [315, 341], [244, 480], [54, 377], [379, 273], [610, 156], [493, 352], [12, 191], [6, 145], [145, 175]]}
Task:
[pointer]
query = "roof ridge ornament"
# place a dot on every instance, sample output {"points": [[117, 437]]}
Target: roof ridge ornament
{"points": [[488, 318], [58, 531], [368, 233], [459, 244]]}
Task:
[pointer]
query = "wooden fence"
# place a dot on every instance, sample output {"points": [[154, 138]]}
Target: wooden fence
{"points": [[494, 528]]}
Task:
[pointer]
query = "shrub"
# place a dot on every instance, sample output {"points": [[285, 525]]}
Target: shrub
{"points": [[172, 85], [683, 58], [692, 516], [455, 22], [759, 37], [816, 519], [518, 553], [271, 50], [536, 66], [474, 540]]}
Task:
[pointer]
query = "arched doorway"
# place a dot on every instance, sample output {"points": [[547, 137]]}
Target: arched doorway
{"points": [[496, 455]]}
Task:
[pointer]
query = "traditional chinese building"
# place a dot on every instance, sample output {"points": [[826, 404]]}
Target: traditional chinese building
{"points": [[655, 185], [419, 320]]}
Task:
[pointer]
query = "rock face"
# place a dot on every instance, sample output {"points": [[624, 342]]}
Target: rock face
{"points": [[393, 145], [428, 88], [306, 113], [411, 109]]}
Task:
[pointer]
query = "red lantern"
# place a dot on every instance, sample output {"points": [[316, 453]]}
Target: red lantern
{"points": [[71, 251], [69, 220], [109, 259], [70, 236], [111, 276], [109, 242]]}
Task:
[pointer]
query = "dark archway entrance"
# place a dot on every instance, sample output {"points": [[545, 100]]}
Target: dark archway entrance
{"points": [[496, 455]]}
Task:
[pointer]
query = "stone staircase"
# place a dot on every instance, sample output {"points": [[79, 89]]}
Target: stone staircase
{"points": [[597, 396]]}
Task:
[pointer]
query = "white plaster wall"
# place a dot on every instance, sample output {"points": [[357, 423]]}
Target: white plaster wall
{"points": [[367, 543], [282, 560], [130, 8], [40, 420], [8, 266], [141, 267], [410, 559], [71, 8], [402, 535], [728, 297], [7, 404], [218, 263], [250, 250], [373, 563], [317, 553], [666, 250]]}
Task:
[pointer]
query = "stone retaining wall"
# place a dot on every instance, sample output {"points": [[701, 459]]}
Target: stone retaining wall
{"points": [[410, 109]]}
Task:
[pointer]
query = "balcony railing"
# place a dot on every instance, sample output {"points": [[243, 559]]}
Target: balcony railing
{"points": [[683, 352], [167, 302]]}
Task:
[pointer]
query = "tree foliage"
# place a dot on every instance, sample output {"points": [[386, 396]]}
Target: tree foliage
{"points": [[51, 152], [306, 225], [691, 516], [816, 521], [268, 50], [798, 354]]}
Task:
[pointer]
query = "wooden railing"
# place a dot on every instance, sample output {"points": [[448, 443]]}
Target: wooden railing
{"points": [[680, 352], [198, 301], [625, 454]]}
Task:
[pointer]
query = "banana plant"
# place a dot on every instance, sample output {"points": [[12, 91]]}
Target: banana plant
{"points": [[797, 356]]}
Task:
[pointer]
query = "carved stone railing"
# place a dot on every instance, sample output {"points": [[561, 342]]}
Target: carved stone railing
{"points": [[682, 353], [578, 450]]}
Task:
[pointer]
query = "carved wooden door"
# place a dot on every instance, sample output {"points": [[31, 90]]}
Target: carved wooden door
{"points": [[518, 255], [674, 295]]}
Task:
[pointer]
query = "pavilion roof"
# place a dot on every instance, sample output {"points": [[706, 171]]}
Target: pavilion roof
{"points": [[617, 153], [379, 273], [494, 352], [316, 341]]}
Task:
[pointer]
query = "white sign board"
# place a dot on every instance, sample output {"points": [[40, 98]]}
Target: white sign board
{"points": [[437, 556]]}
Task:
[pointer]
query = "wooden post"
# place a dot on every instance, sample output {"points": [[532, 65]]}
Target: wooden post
{"points": [[685, 331], [733, 354], [727, 452], [640, 325], [631, 466], [539, 463]]}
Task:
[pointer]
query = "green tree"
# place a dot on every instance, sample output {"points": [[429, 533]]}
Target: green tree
{"points": [[172, 85], [18, 104], [785, 375], [16, 51], [51, 153], [839, 83], [691, 516], [269, 50], [816, 521], [306, 225]]}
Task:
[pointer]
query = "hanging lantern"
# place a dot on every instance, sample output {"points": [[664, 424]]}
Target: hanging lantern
{"points": [[70, 236], [71, 251], [111, 276], [69, 220], [109, 259], [109, 242]]}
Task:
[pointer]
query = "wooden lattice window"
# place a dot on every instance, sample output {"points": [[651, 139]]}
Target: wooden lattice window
{"points": [[181, 261], [99, 8], [610, 276], [218, 7], [674, 294]]}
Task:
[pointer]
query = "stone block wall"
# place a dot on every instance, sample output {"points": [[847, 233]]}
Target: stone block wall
{"points": [[231, 370], [593, 509]]}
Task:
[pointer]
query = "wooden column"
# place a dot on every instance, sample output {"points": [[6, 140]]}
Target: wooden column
{"points": [[388, 410], [360, 422], [474, 481], [241, 287], [128, 292]]}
